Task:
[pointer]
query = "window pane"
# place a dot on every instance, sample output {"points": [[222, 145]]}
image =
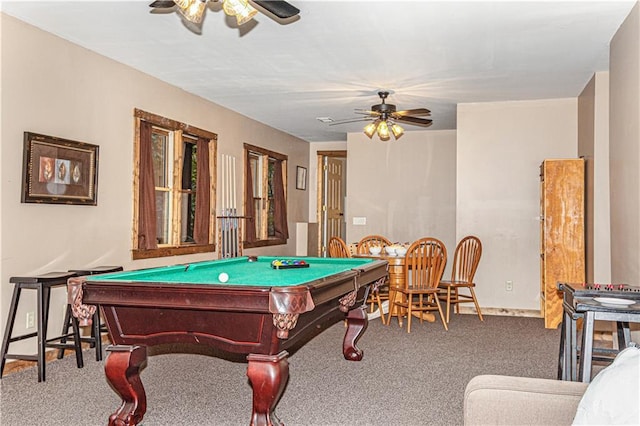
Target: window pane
{"points": [[162, 217], [189, 166], [159, 143], [272, 169], [188, 206], [257, 206], [271, 231], [255, 175]]}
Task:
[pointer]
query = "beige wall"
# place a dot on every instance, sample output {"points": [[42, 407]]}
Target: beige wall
{"points": [[624, 150], [405, 189], [53, 87], [593, 145], [500, 148]]}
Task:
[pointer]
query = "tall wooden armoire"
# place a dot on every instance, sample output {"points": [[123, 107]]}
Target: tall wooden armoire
{"points": [[562, 236]]}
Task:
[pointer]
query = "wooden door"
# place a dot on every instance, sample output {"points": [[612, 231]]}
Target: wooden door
{"points": [[332, 201], [562, 232]]}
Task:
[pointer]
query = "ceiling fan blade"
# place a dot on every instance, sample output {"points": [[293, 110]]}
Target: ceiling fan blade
{"points": [[414, 120], [351, 120], [366, 111], [280, 8], [417, 111], [162, 4]]}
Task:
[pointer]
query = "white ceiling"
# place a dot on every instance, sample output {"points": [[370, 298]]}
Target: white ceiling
{"points": [[338, 54]]}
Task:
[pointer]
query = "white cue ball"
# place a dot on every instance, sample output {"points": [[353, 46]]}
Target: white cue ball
{"points": [[223, 277]]}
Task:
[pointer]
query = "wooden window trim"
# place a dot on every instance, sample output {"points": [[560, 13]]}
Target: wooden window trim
{"points": [[179, 128], [285, 159]]}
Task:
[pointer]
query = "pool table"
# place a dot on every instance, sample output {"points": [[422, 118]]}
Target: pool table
{"points": [[260, 311]]}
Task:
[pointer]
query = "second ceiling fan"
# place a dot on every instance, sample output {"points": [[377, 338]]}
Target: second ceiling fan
{"points": [[386, 117]]}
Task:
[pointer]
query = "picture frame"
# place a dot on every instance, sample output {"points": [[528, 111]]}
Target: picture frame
{"points": [[301, 178], [59, 171]]}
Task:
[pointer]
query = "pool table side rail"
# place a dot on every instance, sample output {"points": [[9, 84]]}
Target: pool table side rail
{"points": [[225, 298]]}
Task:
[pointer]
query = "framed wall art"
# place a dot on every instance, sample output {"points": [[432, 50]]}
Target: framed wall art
{"points": [[59, 171], [301, 177]]}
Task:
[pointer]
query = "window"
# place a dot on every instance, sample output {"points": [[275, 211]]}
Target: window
{"points": [[174, 196], [265, 197]]}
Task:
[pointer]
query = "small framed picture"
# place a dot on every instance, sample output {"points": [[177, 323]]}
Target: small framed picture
{"points": [[59, 171], [301, 177]]}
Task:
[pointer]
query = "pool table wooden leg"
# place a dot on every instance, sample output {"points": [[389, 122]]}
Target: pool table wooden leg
{"points": [[357, 322], [268, 375], [122, 368]]}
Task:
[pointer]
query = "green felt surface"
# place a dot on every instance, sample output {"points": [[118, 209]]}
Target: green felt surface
{"points": [[240, 271]]}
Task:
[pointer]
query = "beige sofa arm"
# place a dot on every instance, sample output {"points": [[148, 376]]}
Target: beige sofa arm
{"points": [[506, 400]]}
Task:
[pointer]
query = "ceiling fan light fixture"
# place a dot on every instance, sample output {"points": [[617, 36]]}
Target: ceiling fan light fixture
{"points": [[241, 9], [183, 4], [192, 10], [370, 129], [397, 130], [383, 131]]}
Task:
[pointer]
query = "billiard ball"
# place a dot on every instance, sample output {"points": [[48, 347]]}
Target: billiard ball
{"points": [[223, 277]]}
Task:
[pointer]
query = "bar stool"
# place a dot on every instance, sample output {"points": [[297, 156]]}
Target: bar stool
{"points": [[42, 284], [97, 327]]}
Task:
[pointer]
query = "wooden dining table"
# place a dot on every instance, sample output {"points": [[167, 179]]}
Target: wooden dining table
{"points": [[396, 278]]}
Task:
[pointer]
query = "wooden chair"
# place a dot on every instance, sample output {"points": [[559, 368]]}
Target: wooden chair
{"points": [[424, 264], [380, 294], [338, 248], [465, 263], [372, 240]]}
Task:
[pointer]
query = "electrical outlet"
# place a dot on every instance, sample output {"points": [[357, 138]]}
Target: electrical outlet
{"points": [[508, 285], [31, 319]]}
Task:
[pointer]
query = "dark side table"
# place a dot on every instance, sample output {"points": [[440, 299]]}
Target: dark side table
{"points": [[578, 302]]}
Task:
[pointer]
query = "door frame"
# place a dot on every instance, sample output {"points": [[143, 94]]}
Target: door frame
{"points": [[321, 155]]}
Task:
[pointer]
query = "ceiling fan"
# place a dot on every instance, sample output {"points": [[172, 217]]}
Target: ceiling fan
{"points": [[193, 10], [385, 117]]}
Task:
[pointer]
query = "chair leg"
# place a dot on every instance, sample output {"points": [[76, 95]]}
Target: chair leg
{"points": [[448, 302], [456, 297], [409, 314], [44, 297], [65, 329], [444, 323], [475, 302], [379, 301], [77, 342], [9, 327]]}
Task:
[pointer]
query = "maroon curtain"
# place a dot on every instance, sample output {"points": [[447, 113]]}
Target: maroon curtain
{"points": [[279, 204], [203, 193], [249, 206], [147, 192]]}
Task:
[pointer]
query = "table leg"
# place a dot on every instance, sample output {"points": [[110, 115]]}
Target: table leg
{"points": [[624, 335], [268, 375], [573, 345], [562, 353], [122, 368], [357, 323], [587, 347]]}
